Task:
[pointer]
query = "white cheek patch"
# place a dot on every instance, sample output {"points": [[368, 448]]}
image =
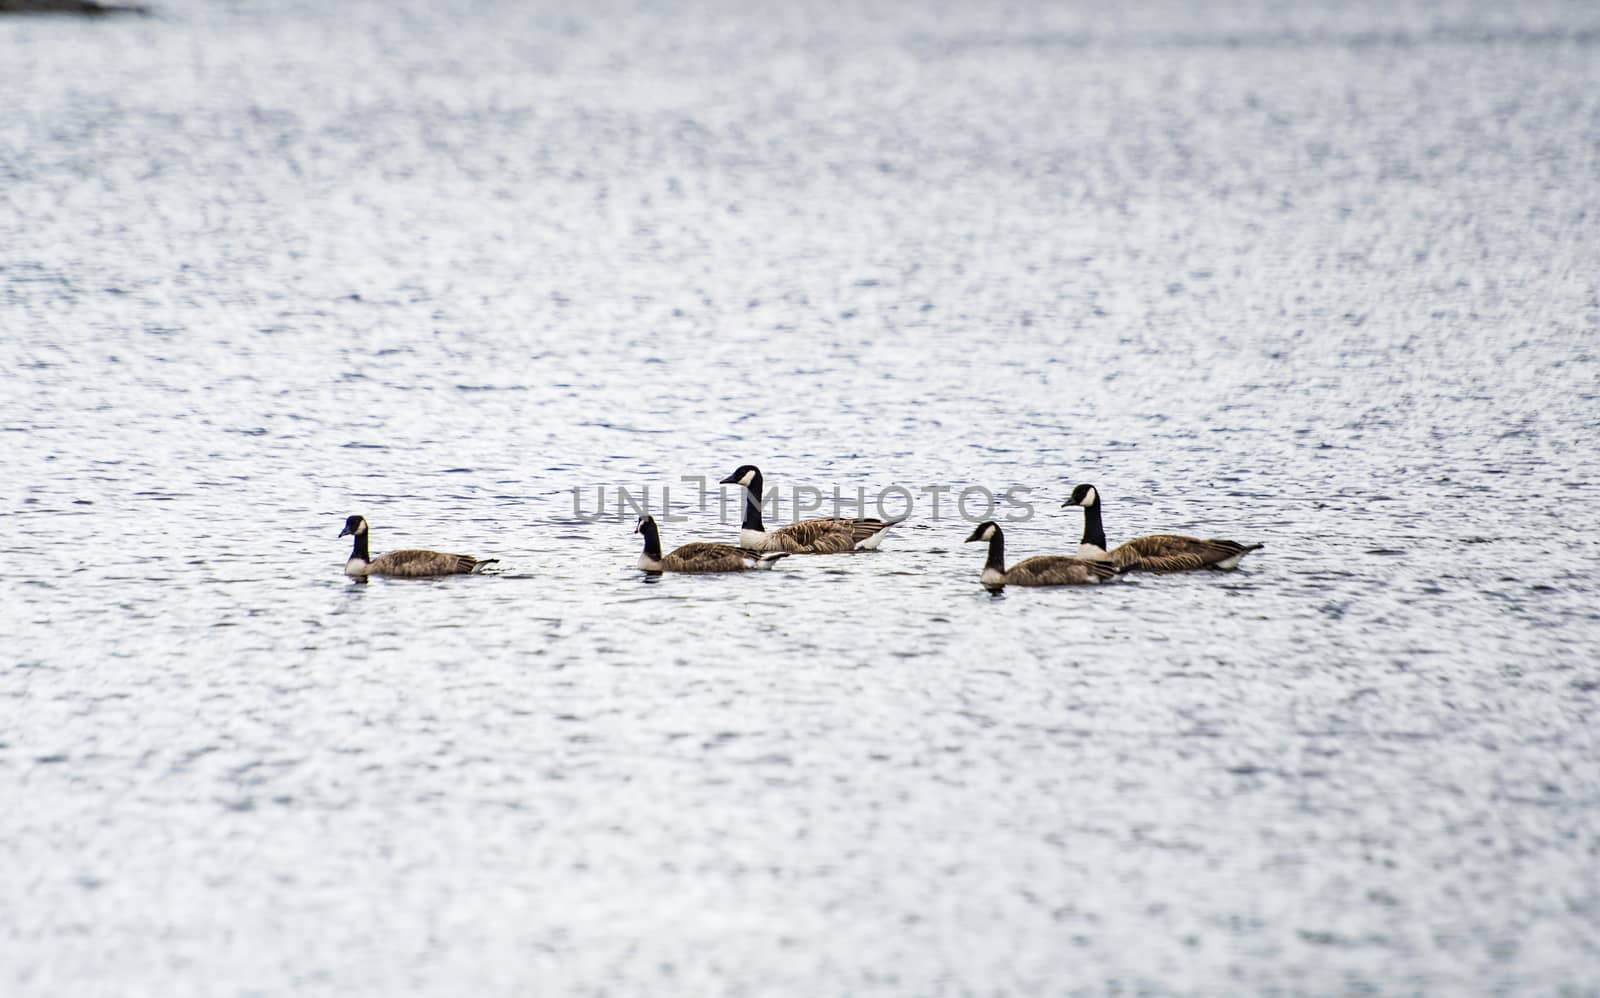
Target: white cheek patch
{"points": [[749, 477], [1090, 498]]}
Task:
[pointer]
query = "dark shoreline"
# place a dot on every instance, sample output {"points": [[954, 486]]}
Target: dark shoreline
{"points": [[79, 8]]}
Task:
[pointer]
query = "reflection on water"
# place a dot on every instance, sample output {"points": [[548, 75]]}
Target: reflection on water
{"points": [[1322, 279]]}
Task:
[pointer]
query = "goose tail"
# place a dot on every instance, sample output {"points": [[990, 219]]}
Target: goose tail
{"points": [[879, 529], [1231, 562]]}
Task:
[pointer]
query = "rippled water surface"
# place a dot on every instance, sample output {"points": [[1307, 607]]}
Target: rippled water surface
{"points": [[1326, 279]]}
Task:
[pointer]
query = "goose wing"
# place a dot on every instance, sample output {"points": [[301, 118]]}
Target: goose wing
{"points": [[824, 536], [1059, 570], [707, 557], [416, 564], [1176, 553], [866, 528], [828, 535]]}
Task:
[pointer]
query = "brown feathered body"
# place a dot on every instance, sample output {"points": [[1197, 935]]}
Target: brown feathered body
{"points": [[417, 564], [831, 535], [1057, 570], [705, 557], [1176, 553]]}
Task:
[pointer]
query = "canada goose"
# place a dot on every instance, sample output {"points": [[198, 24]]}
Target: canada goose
{"points": [[699, 557], [1154, 552], [828, 535], [1046, 570], [411, 564]]}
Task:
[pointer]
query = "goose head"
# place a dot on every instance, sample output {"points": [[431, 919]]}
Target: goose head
{"points": [[1083, 495], [646, 522], [984, 531], [745, 475], [354, 525]]}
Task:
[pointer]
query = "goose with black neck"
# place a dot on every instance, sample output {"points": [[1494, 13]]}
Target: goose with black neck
{"points": [[1043, 570], [406, 564], [699, 557], [1152, 552], [825, 535]]}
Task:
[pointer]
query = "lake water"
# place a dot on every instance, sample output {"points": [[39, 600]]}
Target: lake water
{"points": [[1326, 279]]}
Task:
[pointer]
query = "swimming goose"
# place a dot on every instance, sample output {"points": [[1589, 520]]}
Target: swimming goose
{"points": [[828, 535], [1153, 552], [411, 564], [1045, 570], [700, 557]]}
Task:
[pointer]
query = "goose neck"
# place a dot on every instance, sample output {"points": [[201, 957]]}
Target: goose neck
{"points": [[752, 506], [1094, 534], [652, 541], [997, 553]]}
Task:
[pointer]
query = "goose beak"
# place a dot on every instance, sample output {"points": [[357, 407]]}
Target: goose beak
{"points": [[344, 531], [730, 480], [976, 535], [1069, 502]]}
